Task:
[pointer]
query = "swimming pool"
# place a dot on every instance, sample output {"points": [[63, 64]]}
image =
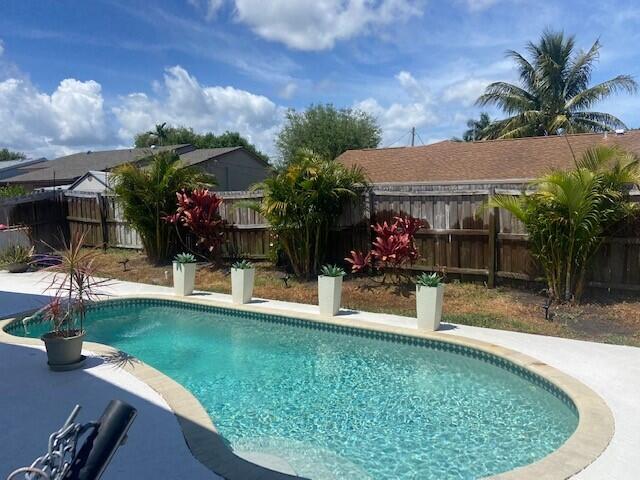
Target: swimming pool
{"points": [[341, 402]]}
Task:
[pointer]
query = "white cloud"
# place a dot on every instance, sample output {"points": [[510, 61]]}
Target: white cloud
{"points": [[318, 25], [74, 117], [466, 92], [210, 7], [1, 47], [181, 100], [43, 124], [289, 90]]}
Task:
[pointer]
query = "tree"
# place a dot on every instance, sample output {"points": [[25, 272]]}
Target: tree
{"points": [[159, 134], [476, 128], [327, 131], [554, 95], [572, 212], [302, 201], [148, 195], [181, 135], [7, 155]]}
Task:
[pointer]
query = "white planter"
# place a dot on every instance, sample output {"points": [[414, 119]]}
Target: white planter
{"points": [[329, 294], [429, 306], [242, 284], [184, 278]]}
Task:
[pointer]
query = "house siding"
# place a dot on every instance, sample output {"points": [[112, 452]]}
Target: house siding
{"points": [[236, 170]]}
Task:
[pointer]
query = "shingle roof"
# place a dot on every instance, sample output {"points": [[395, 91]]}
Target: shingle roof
{"points": [[522, 158], [202, 154], [70, 167]]}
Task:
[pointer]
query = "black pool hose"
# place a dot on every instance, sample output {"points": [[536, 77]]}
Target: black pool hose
{"points": [[102, 443]]}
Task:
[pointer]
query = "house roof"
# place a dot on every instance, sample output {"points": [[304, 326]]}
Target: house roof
{"points": [[197, 156], [12, 168], [70, 167], [513, 159]]}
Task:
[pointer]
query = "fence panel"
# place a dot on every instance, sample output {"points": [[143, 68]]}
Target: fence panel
{"points": [[43, 213]]}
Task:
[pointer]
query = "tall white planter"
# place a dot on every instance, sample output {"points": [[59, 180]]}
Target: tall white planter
{"points": [[184, 278], [242, 284], [429, 306], [329, 294]]}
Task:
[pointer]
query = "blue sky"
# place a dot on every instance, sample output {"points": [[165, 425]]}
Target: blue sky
{"points": [[78, 75]]}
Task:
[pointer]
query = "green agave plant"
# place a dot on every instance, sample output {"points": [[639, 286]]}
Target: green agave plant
{"points": [[185, 258], [332, 271], [242, 265], [429, 279]]}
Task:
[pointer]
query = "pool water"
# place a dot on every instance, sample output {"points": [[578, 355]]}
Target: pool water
{"points": [[340, 405]]}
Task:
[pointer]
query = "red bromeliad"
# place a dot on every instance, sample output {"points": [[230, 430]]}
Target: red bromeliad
{"points": [[393, 246], [199, 213]]}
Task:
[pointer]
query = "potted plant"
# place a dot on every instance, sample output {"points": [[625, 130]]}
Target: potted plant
{"points": [[16, 258], [75, 287], [243, 274], [184, 274], [429, 295], [330, 289]]}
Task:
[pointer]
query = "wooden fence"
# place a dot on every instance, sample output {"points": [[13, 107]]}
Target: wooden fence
{"points": [[44, 213], [459, 235]]}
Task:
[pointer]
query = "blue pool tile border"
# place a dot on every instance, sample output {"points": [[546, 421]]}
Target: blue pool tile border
{"points": [[439, 345]]}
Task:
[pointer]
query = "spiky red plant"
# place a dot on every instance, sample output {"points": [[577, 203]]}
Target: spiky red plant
{"points": [[199, 213], [393, 246]]}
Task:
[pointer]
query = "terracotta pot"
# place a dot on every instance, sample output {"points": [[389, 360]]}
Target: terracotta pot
{"points": [[63, 351], [17, 267]]}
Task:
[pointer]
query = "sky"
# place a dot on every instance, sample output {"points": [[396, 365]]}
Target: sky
{"points": [[88, 75]]}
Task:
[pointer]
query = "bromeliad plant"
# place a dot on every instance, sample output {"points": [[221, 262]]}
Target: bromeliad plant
{"points": [[394, 246], [570, 214], [198, 213]]}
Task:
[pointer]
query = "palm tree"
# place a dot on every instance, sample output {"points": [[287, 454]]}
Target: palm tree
{"points": [[554, 95], [160, 134], [302, 201], [147, 194], [476, 128], [572, 212]]}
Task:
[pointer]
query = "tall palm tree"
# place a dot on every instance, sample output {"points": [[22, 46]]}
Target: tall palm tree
{"points": [[160, 133], [147, 193], [553, 95], [476, 128]]}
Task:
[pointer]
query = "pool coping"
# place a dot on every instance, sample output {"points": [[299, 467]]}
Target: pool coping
{"points": [[593, 434]]}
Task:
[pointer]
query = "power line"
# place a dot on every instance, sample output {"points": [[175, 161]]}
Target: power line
{"points": [[420, 138], [403, 135]]}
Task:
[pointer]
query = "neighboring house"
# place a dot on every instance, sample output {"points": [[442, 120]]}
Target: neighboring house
{"points": [[13, 168], [93, 181], [451, 165], [234, 168]]}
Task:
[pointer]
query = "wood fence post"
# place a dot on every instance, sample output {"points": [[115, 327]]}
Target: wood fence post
{"points": [[104, 229], [493, 244]]}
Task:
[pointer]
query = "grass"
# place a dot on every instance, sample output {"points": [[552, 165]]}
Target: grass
{"points": [[612, 320]]}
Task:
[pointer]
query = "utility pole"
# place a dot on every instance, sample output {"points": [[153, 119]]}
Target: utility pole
{"points": [[413, 136]]}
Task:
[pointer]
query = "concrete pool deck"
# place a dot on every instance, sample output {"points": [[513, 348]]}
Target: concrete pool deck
{"points": [[611, 371]]}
